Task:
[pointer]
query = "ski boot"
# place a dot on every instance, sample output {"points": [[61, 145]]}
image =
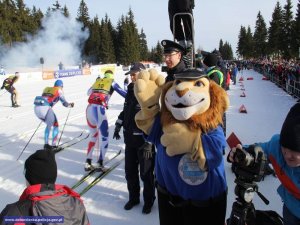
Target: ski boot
{"points": [[56, 149], [88, 165], [100, 167]]}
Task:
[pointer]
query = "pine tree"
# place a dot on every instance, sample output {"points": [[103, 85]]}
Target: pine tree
{"points": [[94, 41], [143, 46], [227, 53], [10, 29], [275, 30], [260, 37], [107, 54], [156, 54], [129, 43], [37, 17], [221, 46], [296, 34], [241, 46], [66, 11], [287, 30], [84, 18], [83, 14], [249, 44]]}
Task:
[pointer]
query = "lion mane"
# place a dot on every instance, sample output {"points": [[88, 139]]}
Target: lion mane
{"points": [[206, 121]]}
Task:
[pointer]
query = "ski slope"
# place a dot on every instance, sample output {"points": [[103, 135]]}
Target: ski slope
{"points": [[267, 106]]}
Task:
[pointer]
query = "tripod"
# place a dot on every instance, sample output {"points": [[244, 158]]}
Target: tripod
{"points": [[243, 211]]}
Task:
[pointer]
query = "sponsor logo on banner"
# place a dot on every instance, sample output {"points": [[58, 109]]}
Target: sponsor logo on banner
{"points": [[47, 75], [67, 73], [86, 71]]}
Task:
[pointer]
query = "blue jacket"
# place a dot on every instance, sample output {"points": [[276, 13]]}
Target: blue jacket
{"points": [[181, 176], [289, 189]]}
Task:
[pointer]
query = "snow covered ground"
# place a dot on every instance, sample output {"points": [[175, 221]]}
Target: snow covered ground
{"points": [[267, 106]]}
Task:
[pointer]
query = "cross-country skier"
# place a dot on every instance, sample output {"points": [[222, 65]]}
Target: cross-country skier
{"points": [[43, 110], [8, 85], [99, 95]]}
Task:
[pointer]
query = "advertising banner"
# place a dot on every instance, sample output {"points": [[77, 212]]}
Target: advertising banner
{"points": [[67, 73]]}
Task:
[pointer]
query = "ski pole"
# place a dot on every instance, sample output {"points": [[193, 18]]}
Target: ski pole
{"points": [[64, 126], [29, 140]]}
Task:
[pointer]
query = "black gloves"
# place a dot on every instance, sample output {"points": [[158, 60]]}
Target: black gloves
{"points": [[71, 105], [2, 87], [117, 131], [147, 149]]}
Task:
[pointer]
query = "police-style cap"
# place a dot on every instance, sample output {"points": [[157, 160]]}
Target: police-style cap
{"points": [[190, 74], [171, 46], [136, 67]]}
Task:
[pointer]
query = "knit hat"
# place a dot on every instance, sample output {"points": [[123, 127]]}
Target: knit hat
{"points": [[290, 131], [40, 167], [210, 60], [109, 74]]}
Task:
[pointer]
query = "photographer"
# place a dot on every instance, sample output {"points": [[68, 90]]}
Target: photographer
{"points": [[283, 151]]}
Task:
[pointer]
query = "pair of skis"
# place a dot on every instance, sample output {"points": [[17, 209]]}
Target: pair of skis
{"points": [[73, 141], [99, 176]]}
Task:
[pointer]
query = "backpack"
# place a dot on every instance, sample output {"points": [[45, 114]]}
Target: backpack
{"points": [[61, 201], [268, 217]]}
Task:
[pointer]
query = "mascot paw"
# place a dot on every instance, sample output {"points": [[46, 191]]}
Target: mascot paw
{"points": [[178, 139], [147, 88]]}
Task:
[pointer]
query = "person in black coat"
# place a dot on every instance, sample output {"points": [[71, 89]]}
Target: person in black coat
{"points": [[139, 155], [173, 56]]}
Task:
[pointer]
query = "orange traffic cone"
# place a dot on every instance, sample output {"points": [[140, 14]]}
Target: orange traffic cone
{"points": [[242, 109], [241, 79], [250, 78], [265, 78]]}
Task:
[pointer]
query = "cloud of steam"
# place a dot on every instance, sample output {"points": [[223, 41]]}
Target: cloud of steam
{"points": [[60, 40]]}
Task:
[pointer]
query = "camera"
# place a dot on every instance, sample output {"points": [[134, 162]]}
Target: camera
{"points": [[249, 165]]}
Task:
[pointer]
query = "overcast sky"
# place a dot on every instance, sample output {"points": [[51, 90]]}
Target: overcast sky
{"points": [[214, 19]]}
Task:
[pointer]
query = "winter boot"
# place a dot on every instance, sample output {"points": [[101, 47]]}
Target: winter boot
{"points": [[88, 165], [148, 206], [131, 203], [188, 57]]}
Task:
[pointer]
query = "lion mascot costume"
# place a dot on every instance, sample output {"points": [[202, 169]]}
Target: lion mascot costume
{"points": [[183, 119]]}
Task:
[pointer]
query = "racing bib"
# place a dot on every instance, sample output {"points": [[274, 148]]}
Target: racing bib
{"points": [[102, 85], [50, 93]]}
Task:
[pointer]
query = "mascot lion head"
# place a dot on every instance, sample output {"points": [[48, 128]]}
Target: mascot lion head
{"points": [[195, 100]]}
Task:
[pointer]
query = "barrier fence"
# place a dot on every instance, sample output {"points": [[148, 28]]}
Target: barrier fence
{"points": [[291, 86]]}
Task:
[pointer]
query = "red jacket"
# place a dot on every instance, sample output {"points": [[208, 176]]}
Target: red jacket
{"points": [[61, 201]]}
